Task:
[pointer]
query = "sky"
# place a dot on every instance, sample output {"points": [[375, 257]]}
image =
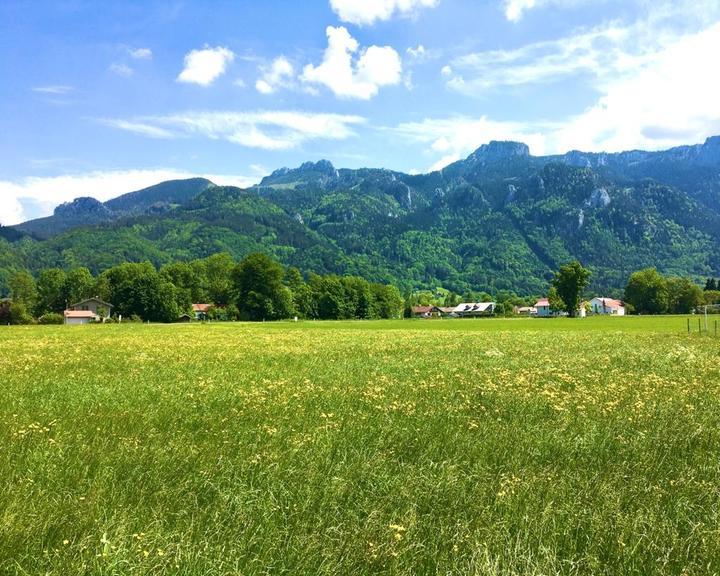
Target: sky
{"points": [[102, 98]]}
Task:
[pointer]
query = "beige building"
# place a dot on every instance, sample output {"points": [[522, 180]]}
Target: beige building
{"points": [[89, 310]]}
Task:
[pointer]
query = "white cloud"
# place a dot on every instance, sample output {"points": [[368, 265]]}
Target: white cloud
{"points": [[597, 53], [268, 130], [141, 53], [204, 66], [514, 8], [57, 90], [139, 128], [347, 77], [278, 75], [368, 11], [47, 192], [122, 70], [668, 98], [671, 99], [598, 56], [446, 70], [455, 137]]}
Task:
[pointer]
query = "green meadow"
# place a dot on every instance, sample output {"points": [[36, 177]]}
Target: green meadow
{"points": [[446, 447]]}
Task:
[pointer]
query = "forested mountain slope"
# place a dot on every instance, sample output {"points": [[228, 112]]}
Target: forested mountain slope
{"points": [[499, 220]]}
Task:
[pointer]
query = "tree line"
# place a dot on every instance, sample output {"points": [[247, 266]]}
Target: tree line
{"points": [[647, 291], [256, 288], [259, 288]]}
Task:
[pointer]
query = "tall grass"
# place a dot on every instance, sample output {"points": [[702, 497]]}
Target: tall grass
{"points": [[360, 448]]}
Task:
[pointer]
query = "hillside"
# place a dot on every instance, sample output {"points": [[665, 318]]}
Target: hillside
{"points": [[86, 211], [499, 220]]}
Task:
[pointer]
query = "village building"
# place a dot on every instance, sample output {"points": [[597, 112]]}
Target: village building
{"points": [[75, 317], [427, 312], [607, 306], [201, 311], [474, 309], [525, 310], [88, 310], [543, 310]]}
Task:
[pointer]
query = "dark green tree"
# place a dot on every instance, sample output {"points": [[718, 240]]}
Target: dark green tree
{"points": [[711, 284], [51, 287], [570, 282], [218, 271], [23, 288], [137, 289], [258, 289], [79, 285], [557, 304], [387, 301], [683, 295], [647, 292]]}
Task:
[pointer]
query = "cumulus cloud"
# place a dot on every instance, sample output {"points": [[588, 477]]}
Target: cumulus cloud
{"points": [[278, 75], [268, 130], [514, 9], [35, 197], [350, 77], [141, 53], [363, 12], [204, 66]]}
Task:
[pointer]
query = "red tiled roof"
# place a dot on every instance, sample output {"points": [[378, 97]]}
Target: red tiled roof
{"points": [[201, 307], [421, 309], [542, 302]]}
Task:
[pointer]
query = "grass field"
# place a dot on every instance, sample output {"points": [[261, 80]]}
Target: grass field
{"points": [[416, 447]]}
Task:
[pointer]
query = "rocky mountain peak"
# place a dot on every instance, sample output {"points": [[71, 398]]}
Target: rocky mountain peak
{"points": [[496, 151], [322, 166], [82, 206]]}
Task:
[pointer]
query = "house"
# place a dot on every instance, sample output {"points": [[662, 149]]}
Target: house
{"points": [[95, 305], [474, 309], [525, 310], [201, 311], [76, 317], [184, 318], [88, 310], [427, 312], [543, 310], [607, 306]]}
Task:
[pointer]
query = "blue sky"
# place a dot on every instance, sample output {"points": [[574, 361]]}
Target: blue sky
{"points": [[101, 98]]}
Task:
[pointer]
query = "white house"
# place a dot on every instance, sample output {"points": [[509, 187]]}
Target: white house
{"points": [[607, 306], [543, 309], [469, 309]]}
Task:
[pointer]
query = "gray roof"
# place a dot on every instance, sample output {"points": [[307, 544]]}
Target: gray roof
{"points": [[101, 302]]}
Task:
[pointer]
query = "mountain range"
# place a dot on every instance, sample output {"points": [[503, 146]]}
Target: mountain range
{"points": [[501, 219]]}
